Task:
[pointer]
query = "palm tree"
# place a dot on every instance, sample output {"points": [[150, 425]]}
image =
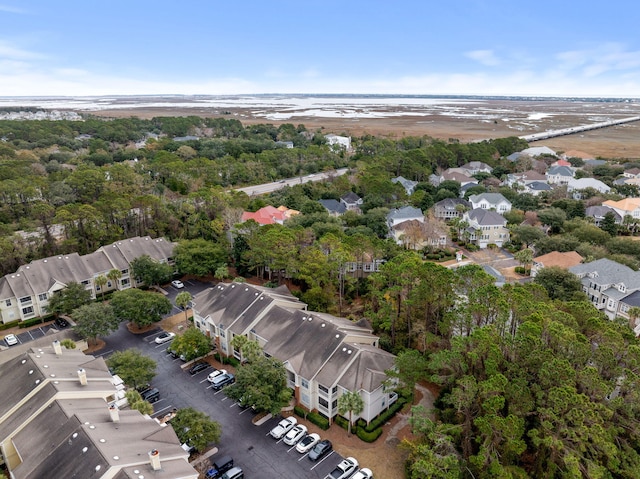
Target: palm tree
{"points": [[114, 275], [634, 314], [100, 282], [525, 257], [350, 403], [182, 300]]}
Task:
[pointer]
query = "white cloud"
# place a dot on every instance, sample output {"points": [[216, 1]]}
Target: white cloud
{"points": [[11, 9], [485, 57], [8, 50]]}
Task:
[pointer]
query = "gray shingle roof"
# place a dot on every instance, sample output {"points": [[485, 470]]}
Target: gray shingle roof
{"points": [[492, 198], [333, 206], [404, 213], [607, 271], [486, 217]]}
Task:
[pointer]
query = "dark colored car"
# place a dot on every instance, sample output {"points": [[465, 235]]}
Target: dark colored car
{"points": [[219, 467], [61, 323], [222, 381], [197, 367], [320, 449], [150, 395]]}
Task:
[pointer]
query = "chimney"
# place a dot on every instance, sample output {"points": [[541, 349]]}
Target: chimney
{"points": [[82, 376], [114, 413], [57, 348], [154, 458]]}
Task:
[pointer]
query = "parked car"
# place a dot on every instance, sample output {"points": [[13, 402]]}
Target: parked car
{"points": [[307, 442], [61, 323], [150, 395], [188, 448], [176, 283], [11, 339], [165, 337], [295, 434], [197, 367], [173, 354], [344, 469], [234, 473], [283, 427], [219, 467], [222, 380], [320, 449], [215, 374], [363, 473]]}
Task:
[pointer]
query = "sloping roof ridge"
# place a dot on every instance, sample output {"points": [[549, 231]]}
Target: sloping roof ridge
{"points": [[164, 434], [97, 364]]}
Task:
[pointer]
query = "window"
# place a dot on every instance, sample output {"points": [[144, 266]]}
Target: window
{"points": [[323, 403], [27, 311], [85, 282], [25, 299], [322, 388], [334, 404], [124, 271], [304, 383], [8, 302], [109, 284], [125, 282], [334, 390], [42, 297]]}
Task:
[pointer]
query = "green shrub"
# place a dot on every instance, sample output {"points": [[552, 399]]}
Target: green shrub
{"points": [[520, 269], [386, 415], [9, 325], [31, 322], [368, 436], [320, 421], [300, 412], [342, 422]]}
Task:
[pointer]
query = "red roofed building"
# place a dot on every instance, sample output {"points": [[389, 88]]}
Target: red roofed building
{"points": [[269, 215]]}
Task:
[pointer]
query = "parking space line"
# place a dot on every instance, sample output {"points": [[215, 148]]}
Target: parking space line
{"points": [[105, 353], [243, 411], [303, 456], [205, 379], [234, 404], [322, 460], [29, 333], [160, 410], [292, 447]]}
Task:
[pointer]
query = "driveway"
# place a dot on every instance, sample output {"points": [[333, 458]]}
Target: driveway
{"points": [[250, 446]]}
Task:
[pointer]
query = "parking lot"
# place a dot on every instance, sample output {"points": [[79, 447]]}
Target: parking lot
{"points": [[251, 447]]}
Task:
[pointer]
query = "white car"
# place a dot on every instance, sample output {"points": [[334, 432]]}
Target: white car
{"points": [[344, 469], [165, 337], [295, 434], [283, 427], [215, 374], [307, 442], [363, 473], [11, 339], [176, 283]]}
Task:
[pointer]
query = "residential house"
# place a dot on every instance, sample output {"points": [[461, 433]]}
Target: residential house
{"points": [[398, 215], [536, 188], [269, 215], [475, 167], [578, 186], [450, 208], [624, 207], [524, 178], [490, 201], [486, 227], [631, 173], [561, 162], [559, 175], [577, 154], [557, 259], [333, 207], [25, 294], [351, 201], [341, 141], [56, 421], [606, 282], [458, 176], [408, 185], [324, 355], [284, 144], [598, 213], [416, 235]]}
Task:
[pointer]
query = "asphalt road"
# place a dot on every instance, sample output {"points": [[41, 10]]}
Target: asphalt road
{"points": [[276, 185], [251, 447]]}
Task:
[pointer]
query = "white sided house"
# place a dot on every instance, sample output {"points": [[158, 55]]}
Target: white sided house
{"points": [[324, 355], [490, 201], [25, 294]]}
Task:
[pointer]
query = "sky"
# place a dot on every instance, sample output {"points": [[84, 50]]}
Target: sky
{"points": [[236, 47]]}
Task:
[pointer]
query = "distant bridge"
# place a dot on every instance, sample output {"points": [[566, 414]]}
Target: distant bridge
{"points": [[575, 129]]}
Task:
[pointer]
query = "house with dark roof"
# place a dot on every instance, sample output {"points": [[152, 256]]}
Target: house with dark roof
{"points": [[536, 188], [606, 282], [398, 215], [450, 208], [598, 212], [25, 294], [486, 227], [351, 201], [324, 355], [524, 178], [333, 207], [56, 421]]}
